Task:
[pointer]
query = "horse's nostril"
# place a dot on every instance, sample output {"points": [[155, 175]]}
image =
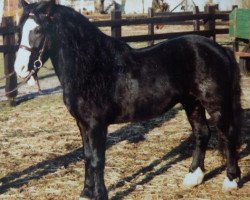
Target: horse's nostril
{"points": [[23, 67]]}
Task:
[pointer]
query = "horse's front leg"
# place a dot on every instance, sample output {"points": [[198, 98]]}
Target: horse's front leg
{"points": [[94, 140]]}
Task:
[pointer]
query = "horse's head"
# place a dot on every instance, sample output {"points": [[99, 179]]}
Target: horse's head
{"points": [[34, 42]]}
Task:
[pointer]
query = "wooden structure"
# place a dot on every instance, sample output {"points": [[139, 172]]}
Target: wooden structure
{"points": [[208, 18], [239, 23], [8, 49], [239, 29]]}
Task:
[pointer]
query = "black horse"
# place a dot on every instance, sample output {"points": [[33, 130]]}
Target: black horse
{"points": [[105, 81]]}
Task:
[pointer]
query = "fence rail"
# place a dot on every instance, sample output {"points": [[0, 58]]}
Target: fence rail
{"points": [[159, 20], [208, 19]]}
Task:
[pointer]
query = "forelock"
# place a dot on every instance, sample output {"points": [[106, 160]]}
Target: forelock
{"points": [[38, 9]]}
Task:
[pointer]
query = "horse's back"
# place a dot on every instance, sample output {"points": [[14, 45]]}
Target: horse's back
{"points": [[162, 75]]}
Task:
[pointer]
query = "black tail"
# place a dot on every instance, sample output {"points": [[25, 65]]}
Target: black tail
{"points": [[234, 107], [235, 117]]}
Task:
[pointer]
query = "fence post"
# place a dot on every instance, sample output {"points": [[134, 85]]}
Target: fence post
{"points": [[210, 24], [9, 59], [116, 31], [150, 26], [236, 41], [196, 22]]}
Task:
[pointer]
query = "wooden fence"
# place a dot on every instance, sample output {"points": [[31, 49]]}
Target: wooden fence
{"points": [[207, 19]]}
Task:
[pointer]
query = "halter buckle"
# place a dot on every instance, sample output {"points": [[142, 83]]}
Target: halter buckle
{"points": [[38, 64]]}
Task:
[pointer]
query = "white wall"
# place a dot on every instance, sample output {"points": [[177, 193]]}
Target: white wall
{"points": [[89, 5], [140, 6], [1, 10], [136, 6], [227, 5]]}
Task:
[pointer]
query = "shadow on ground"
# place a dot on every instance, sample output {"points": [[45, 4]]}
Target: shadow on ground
{"points": [[35, 172], [18, 179], [31, 95], [150, 173]]}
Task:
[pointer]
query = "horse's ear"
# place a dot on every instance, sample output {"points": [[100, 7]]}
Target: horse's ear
{"points": [[52, 3], [24, 4]]}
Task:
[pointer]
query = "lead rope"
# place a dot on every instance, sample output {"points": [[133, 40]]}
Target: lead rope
{"points": [[20, 84], [7, 76], [37, 65]]}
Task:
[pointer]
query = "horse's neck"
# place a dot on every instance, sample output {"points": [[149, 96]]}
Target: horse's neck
{"points": [[67, 62]]}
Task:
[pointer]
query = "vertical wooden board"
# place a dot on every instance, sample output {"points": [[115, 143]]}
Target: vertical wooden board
{"points": [[9, 59], [116, 31], [150, 26], [239, 23], [243, 23], [232, 23]]}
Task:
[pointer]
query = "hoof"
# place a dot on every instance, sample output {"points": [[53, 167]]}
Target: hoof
{"points": [[193, 178], [86, 194], [229, 185]]}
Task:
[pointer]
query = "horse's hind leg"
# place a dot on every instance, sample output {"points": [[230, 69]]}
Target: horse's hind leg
{"points": [[196, 116], [228, 125]]}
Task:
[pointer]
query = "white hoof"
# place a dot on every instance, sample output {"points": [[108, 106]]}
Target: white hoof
{"points": [[229, 185], [84, 198], [193, 178]]}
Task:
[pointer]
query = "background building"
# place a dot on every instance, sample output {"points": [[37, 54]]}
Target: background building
{"points": [[10, 7]]}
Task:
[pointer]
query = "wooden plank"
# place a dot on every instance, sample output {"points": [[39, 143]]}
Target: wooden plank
{"points": [[240, 23], [143, 38], [8, 48], [151, 29], [158, 20], [9, 59], [243, 23], [221, 31], [116, 31], [210, 24], [8, 30], [161, 14], [187, 13], [196, 23], [232, 23], [242, 54]]}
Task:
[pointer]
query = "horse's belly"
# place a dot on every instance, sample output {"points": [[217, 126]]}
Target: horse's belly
{"points": [[145, 107], [140, 99]]}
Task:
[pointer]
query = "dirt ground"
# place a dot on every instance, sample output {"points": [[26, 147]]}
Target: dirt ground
{"points": [[41, 153]]}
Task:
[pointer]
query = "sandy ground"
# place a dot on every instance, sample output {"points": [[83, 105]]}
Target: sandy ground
{"points": [[40, 155]]}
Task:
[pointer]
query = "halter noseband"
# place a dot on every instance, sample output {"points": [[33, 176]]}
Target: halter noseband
{"points": [[38, 62], [25, 48]]}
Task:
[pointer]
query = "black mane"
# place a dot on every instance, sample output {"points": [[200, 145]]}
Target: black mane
{"points": [[92, 49]]}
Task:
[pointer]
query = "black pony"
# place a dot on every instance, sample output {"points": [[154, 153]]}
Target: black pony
{"points": [[105, 81]]}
